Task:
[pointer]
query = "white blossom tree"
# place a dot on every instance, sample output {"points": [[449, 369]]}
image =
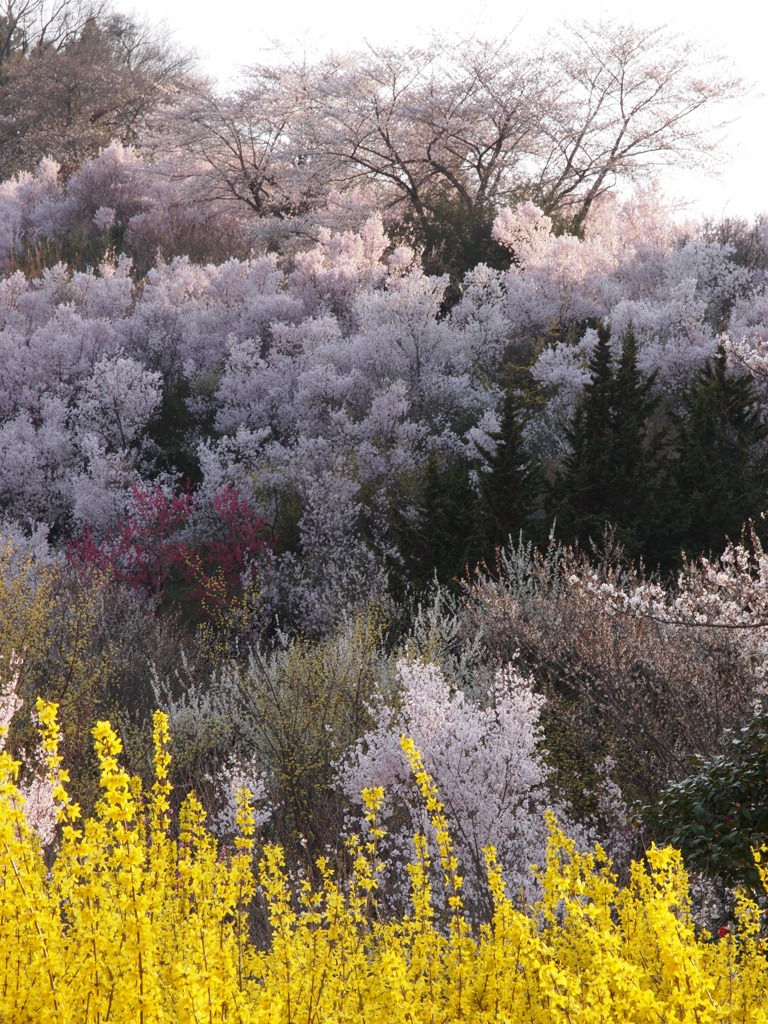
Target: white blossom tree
{"points": [[487, 768]]}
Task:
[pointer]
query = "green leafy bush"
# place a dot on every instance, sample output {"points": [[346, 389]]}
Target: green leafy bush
{"points": [[719, 814]]}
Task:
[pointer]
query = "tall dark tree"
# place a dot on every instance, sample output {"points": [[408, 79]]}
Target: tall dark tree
{"points": [[434, 543], [509, 489], [612, 474], [722, 473], [454, 237]]}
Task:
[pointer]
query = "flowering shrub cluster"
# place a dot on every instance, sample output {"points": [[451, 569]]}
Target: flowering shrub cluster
{"points": [[281, 722], [487, 762], [132, 924], [618, 681], [52, 628], [168, 544], [318, 384], [646, 673], [91, 941], [727, 592], [372, 376], [36, 789]]}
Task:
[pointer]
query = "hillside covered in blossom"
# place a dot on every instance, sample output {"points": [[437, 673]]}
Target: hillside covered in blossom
{"points": [[385, 394]]}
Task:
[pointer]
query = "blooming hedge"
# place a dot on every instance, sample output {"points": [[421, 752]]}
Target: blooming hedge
{"points": [[130, 924]]}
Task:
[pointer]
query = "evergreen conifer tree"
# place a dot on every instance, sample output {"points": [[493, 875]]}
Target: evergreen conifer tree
{"points": [[722, 472], [509, 490], [613, 472], [434, 544]]}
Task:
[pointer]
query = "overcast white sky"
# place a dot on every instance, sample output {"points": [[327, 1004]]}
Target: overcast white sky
{"points": [[228, 34]]}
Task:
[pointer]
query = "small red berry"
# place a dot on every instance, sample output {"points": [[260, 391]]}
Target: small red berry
{"points": [[728, 819]]}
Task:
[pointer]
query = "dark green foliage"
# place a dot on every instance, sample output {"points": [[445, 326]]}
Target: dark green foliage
{"points": [[434, 542], [692, 498], [720, 813], [612, 474], [173, 432], [722, 472], [585, 487], [509, 489], [454, 237]]}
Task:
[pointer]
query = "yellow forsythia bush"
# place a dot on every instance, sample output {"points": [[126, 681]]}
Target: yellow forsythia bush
{"points": [[131, 925]]}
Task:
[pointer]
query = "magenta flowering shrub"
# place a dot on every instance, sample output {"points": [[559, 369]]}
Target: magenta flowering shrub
{"points": [[202, 554]]}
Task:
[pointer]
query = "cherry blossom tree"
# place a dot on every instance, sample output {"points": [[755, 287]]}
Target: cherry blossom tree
{"points": [[485, 763], [74, 76], [463, 125], [629, 100]]}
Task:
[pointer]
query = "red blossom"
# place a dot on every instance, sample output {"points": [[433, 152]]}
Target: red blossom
{"points": [[154, 547]]}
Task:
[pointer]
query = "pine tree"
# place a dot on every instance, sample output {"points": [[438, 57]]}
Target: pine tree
{"points": [[613, 472], [584, 486], [638, 467], [722, 472], [435, 542], [509, 489]]}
